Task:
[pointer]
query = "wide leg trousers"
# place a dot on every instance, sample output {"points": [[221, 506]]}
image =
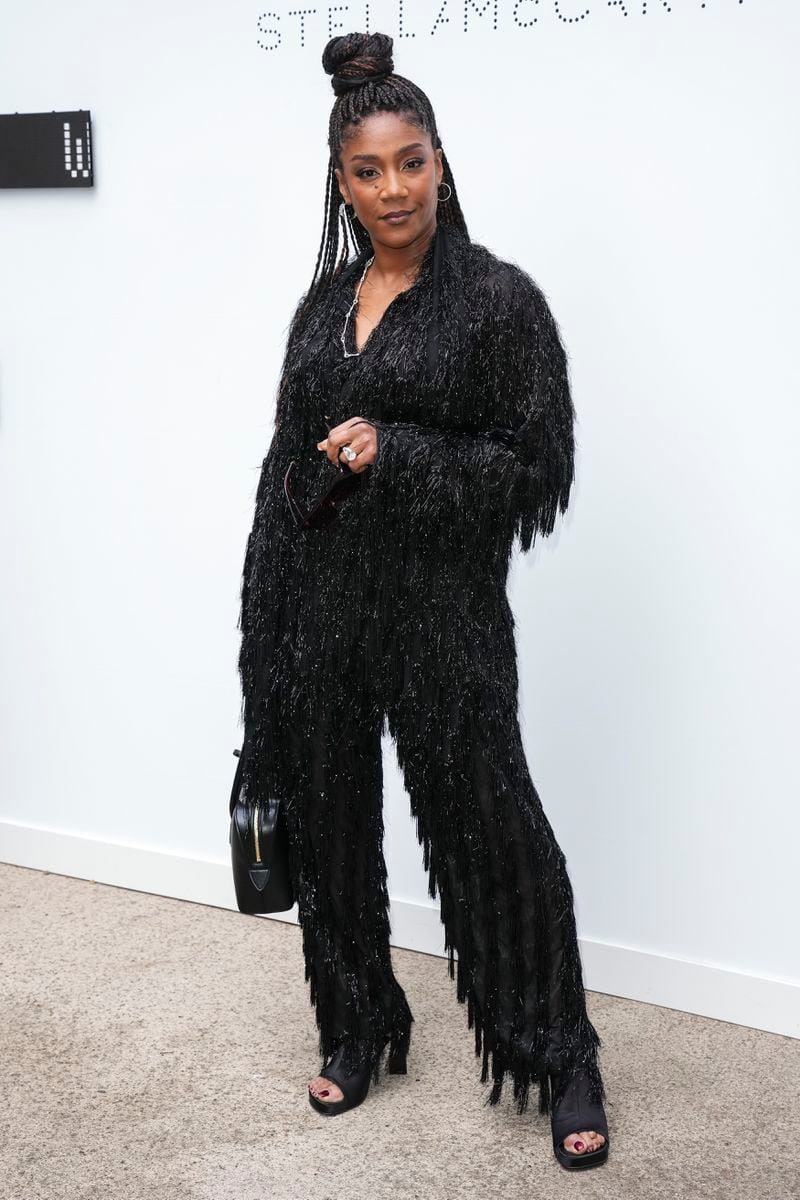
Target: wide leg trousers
{"points": [[492, 859]]}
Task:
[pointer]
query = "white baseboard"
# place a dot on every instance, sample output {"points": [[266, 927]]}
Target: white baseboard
{"points": [[692, 987]]}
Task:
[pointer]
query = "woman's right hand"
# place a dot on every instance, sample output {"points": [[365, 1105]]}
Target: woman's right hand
{"points": [[360, 435]]}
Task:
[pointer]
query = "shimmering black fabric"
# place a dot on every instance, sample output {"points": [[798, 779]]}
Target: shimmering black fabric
{"points": [[395, 619]]}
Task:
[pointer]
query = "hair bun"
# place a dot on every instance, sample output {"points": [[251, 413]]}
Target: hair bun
{"points": [[356, 58]]}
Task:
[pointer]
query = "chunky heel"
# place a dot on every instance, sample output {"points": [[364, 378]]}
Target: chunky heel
{"points": [[396, 1063]]}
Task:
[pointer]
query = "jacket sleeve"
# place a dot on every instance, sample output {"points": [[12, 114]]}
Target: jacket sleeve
{"points": [[269, 546], [512, 477]]}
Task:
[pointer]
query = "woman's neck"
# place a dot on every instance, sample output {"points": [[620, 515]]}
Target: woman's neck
{"points": [[397, 266]]}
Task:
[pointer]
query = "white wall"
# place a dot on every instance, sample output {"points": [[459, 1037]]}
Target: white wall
{"points": [[644, 168]]}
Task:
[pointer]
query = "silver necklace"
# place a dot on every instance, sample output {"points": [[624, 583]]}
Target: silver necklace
{"points": [[350, 353]]}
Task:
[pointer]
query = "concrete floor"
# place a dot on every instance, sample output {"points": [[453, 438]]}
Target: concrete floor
{"points": [[153, 1049]]}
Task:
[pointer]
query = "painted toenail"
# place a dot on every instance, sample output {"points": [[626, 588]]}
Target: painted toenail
{"points": [[579, 1145], [325, 1093]]}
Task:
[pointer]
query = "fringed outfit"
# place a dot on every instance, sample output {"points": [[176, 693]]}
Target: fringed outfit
{"points": [[395, 618]]}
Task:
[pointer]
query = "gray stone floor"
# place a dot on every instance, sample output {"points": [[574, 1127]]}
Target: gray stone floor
{"points": [[153, 1049]]}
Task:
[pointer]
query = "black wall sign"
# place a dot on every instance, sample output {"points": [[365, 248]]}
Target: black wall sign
{"points": [[46, 149]]}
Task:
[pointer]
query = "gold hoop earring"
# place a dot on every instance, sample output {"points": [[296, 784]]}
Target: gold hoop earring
{"points": [[444, 199]]}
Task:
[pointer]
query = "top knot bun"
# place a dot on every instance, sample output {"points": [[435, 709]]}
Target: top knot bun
{"points": [[357, 58]]}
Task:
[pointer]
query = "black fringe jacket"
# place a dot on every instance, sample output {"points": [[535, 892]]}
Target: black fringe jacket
{"points": [[466, 378]]}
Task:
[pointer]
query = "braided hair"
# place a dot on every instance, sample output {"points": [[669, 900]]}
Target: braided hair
{"points": [[364, 82]]}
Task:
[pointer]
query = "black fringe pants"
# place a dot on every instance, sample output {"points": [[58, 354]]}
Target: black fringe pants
{"points": [[492, 857]]}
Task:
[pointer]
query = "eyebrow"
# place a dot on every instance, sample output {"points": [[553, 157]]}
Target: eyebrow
{"points": [[376, 157]]}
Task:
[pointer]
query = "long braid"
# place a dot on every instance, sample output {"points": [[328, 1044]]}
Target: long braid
{"points": [[364, 82]]}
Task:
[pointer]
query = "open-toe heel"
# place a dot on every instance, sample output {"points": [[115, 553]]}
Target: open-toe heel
{"points": [[574, 1112], [354, 1086]]}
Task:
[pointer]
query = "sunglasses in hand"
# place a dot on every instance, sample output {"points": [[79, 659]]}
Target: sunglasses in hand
{"points": [[325, 509]]}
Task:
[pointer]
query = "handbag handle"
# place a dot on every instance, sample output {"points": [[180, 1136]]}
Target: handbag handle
{"points": [[237, 781], [242, 755]]}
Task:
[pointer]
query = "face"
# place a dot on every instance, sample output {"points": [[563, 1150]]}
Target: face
{"points": [[390, 166]]}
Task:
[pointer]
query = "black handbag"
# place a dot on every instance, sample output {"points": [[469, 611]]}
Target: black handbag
{"points": [[259, 841]]}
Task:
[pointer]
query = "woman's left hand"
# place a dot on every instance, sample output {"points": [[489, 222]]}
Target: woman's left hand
{"points": [[359, 435]]}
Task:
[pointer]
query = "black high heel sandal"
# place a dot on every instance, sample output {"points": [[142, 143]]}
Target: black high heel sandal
{"points": [[575, 1112], [354, 1085]]}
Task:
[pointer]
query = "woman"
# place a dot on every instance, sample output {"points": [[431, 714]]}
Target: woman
{"points": [[428, 376]]}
